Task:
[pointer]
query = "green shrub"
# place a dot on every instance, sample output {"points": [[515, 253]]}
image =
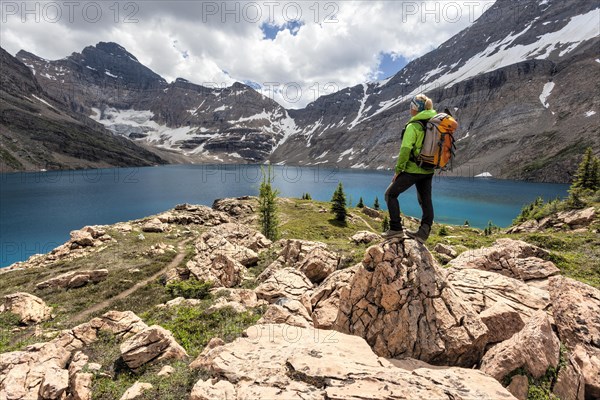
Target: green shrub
{"points": [[443, 231], [189, 289], [193, 327]]}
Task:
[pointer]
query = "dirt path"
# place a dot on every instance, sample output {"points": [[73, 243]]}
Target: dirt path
{"points": [[366, 223], [97, 307]]}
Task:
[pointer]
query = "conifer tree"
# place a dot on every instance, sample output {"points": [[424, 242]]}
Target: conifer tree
{"points": [[385, 224], [268, 206], [376, 203], [338, 204], [595, 175], [585, 175], [360, 204]]}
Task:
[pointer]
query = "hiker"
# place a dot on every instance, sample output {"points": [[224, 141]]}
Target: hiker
{"points": [[408, 173]]}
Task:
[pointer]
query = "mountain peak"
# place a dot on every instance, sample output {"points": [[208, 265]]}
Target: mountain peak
{"points": [[110, 49]]}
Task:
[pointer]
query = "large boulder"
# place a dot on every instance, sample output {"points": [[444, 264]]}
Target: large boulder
{"points": [[286, 282], [155, 225], [151, 345], [242, 235], [241, 209], [483, 289], [325, 299], [401, 302], [534, 348], [513, 258], [502, 322], [50, 370], [221, 261], [365, 237], [572, 219], [212, 244], [281, 361], [576, 310], [287, 311], [30, 309], [37, 372], [74, 279], [312, 258]]}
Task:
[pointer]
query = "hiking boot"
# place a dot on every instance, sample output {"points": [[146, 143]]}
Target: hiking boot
{"points": [[390, 233], [422, 234]]}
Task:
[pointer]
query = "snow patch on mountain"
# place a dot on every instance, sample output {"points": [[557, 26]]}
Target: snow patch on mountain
{"points": [[42, 101], [126, 122], [590, 113], [545, 93], [362, 107]]}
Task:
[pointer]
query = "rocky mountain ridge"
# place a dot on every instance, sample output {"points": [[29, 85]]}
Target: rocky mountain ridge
{"points": [[513, 79], [40, 132], [395, 325]]}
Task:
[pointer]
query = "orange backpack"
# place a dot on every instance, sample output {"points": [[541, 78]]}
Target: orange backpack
{"points": [[438, 142]]}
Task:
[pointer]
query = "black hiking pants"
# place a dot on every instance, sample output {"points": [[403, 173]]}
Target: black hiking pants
{"points": [[400, 185]]}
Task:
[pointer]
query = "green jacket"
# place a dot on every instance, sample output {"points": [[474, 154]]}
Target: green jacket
{"points": [[412, 142]]}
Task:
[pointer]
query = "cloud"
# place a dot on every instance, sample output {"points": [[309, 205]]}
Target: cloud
{"points": [[310, 45]]}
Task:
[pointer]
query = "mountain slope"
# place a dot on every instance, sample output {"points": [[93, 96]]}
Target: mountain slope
{"points": [[39, 133], [522, 80], [204, 123], [492, 76]]}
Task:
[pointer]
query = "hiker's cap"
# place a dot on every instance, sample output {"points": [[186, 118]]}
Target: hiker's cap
{"points": [[421, 103]]}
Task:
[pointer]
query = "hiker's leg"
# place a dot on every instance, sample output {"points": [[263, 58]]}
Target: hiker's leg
{"points": [[424, 196], [402, 182]]}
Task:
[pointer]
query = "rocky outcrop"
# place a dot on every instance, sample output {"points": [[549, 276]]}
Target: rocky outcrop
{"points": [[30, 309], [311, 258], [572, 219], [55, 368], [534, 348], [280, 361], [82, 242], [483, 289], [401, 302], [222, 254], [445, 252], [242, 209], [287, 311], [575, 308], [155, 225], [502, 322], [325, 299], [153, 344], [570, 382], [286, 282], [75, 279], [365, 237], [371, 212], [513, 258], [188, 214], [242, 235]]}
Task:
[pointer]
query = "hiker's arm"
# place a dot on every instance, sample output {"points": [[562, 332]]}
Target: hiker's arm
{"points": [[408, 143]]}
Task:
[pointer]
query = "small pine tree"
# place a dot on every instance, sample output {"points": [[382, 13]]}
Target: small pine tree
{"points": [[376, 203], [466, 223], [338, 204], [349, 202], [268, 207], [360, 204], [385, 224], [595, 175], [584, 178], [308, 196]]}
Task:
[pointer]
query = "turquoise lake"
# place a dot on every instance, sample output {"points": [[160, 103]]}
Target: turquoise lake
{"points": [[39, 209]]}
